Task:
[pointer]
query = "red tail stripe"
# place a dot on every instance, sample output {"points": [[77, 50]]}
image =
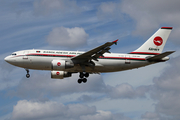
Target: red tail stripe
{"points": [[144, 53]]}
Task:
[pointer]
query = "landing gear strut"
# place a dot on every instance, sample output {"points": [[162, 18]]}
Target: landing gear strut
{"points": [[27, 75], [82, 79]]}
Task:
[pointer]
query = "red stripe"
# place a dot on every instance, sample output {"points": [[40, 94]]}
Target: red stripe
{"points": [[137, 58], [124, 58], [99, 57], [52, 55], [166, 27], [144, 53]]}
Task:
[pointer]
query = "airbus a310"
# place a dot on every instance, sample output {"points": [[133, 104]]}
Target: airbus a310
{"points": [[63, 64]]}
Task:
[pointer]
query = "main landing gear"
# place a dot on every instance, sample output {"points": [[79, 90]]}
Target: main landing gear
{"points": [[27, 75], [82, 79]]}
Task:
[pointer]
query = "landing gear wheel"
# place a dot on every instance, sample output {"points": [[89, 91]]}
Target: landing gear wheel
{"points": [[27, 75], [79, 81], [86, 74], [84, 80], [81, 75]]}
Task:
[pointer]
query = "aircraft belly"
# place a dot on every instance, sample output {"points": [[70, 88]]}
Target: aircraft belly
{"points": [[119, 65], [110, 65]]}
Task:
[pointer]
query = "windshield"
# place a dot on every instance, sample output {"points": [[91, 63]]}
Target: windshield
{"points": [[13, 54]]}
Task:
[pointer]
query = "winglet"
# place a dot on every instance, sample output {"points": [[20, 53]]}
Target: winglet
{"points": [[166, 27], [115, 42]]}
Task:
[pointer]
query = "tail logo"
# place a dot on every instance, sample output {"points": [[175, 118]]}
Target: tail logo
{"points": [[158, 41]]}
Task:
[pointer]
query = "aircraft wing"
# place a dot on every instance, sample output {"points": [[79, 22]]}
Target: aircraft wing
{"points": [[160, 56], [94, 53]]}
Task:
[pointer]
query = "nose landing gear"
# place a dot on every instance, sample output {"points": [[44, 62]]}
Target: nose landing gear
{"points": [[27, 75], [82, 79]]}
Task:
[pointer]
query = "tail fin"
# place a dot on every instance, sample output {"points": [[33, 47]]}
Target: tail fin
{"points": [[155, 44]]}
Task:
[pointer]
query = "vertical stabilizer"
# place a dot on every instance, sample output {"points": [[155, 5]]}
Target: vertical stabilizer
{"points": [[155, 44]]}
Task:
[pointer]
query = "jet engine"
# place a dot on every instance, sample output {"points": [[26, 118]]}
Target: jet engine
{"points": [[61, 65], [60, 74]]}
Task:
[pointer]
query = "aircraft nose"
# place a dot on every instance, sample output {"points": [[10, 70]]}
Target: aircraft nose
{"points": [[11, 60], [7, 59]]}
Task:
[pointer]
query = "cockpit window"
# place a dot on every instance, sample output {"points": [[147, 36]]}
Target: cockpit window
{"points": [[13, 54]]}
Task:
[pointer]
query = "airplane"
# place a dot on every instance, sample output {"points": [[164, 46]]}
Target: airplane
{"points": [[63, 64]]}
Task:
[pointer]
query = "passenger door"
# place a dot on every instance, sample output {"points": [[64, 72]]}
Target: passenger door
{"points": [[127, 59], [25, 56]]}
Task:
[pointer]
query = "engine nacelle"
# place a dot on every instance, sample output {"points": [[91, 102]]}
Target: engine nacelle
{"points": [[61, 65], [60, 74]]}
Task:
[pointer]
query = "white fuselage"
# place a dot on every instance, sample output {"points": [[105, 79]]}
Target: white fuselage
{"points": [[42, 60]]}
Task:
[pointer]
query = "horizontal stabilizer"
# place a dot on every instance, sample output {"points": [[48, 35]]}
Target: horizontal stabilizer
{"points": [[160, 56]]}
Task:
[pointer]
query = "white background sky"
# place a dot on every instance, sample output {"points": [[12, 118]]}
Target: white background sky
{"points": [[149, 93]]}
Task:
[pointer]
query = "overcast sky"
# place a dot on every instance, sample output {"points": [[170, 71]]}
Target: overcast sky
{"points": [[148, 93]]}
